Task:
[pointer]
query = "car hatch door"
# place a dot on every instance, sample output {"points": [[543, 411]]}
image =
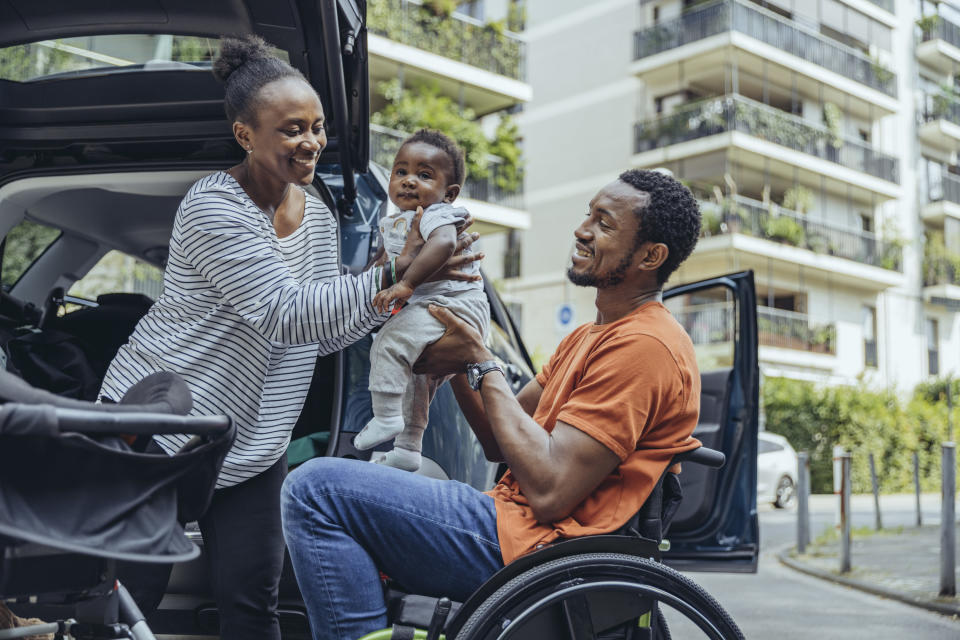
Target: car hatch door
{"points": [[716, 527]]}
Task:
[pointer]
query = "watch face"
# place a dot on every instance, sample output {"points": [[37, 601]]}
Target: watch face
{"points": [[472, 380]]}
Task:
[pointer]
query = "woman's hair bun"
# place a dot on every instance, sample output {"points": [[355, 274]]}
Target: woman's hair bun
{"points": [[236, 52]]}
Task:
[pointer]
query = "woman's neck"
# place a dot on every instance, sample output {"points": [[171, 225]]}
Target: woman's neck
{"points": [[267, 193]]}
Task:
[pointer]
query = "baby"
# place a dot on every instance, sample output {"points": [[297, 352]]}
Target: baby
{"points": [[427, 172]]}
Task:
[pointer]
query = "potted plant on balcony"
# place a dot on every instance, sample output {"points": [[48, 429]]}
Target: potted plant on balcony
{"points": [[833, 120], [928, 24], [823, 338], [891, 253]]}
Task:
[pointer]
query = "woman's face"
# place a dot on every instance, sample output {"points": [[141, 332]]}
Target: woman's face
{"points": [[288, 134]]}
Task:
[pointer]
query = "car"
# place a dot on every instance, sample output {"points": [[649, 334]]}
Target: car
{"points": [[95, 157], [776, 470]]}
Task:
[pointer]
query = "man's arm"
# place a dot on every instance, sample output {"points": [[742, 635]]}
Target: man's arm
{"points": [[556, 470], [471, 403]]}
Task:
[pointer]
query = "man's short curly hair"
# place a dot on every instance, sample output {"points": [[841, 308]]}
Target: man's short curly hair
{"points": [[444, 143], [672, 216]]}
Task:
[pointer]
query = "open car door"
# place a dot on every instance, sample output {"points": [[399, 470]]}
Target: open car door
{"points": [[716, 527]]}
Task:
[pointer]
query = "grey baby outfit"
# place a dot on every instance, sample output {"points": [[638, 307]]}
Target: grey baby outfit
{"points": [[406, 334]]}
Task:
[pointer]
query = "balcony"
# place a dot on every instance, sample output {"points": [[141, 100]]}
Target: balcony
{"points": [[761, 37], [939, 116], [713, 324], [943, 199], [478, 63], [494, 208], [941, 273], [939, 46], [776, 224], [769, 139]]}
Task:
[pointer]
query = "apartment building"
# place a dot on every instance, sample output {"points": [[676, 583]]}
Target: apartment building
{"points": [[471, 58], [821, 139]]}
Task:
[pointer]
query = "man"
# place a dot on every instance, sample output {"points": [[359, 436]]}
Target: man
{"points": [[585, 441]]}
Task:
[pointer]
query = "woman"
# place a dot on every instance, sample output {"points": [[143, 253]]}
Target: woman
{"points": [[252, 295]]}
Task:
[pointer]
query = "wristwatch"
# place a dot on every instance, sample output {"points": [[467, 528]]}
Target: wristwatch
{"points": [[476, 371]]}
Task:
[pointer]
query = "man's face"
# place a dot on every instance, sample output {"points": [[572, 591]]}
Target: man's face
{"points": [[607, 239]]}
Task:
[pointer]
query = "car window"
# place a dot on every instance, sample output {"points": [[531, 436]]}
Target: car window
{"points": [[763, 446], [69, 57], [117, 272], [709, 318], [22, 246]]}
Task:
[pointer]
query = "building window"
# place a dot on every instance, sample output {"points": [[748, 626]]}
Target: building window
{"points": [[511, 257], [933, 347], [869, 337], [474, 9]]}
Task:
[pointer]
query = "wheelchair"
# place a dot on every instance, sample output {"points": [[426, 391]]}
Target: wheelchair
{"points": [[606, 587], [76, 499]]}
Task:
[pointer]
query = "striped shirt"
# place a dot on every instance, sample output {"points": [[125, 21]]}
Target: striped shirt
{"points": [[244, 316]]}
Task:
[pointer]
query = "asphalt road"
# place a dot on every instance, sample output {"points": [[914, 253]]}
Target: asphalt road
{"points": [[780, 603]]}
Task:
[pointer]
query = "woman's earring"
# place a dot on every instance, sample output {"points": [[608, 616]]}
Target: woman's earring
{"points": [[249, 150]]}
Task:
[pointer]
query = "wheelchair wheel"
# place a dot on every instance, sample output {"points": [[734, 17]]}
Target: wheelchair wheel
{"points": [[594, 595]]}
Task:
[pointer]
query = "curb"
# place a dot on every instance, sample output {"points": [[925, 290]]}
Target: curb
{"points": [[937, 607]]}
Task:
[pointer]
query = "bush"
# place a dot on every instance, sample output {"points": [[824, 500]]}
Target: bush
{"points": [[863, 421]]}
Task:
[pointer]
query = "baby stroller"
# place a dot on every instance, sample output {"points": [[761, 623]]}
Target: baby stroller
{"points": [[76, 498]]}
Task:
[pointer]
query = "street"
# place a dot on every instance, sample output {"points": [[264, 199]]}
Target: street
{"points": [[781, 603]]}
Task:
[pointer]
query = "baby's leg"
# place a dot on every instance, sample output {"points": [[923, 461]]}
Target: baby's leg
{"points": [[408, 445], [389, 378]]}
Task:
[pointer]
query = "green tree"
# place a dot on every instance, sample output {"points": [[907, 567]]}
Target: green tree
{"points": [[23, 244]]}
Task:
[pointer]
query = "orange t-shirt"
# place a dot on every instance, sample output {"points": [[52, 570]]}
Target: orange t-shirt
{"points": [[633, 386]]}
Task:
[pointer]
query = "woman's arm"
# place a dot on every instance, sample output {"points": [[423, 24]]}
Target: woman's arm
{"points": [[217, 236]]}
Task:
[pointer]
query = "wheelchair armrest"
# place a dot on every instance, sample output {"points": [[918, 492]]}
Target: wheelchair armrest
{"points": [[702, 455]]}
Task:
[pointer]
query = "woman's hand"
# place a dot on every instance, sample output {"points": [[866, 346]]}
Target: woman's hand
{"points": [[398, 293], [460, 345]]}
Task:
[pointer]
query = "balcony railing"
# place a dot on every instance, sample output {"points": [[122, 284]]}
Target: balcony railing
{"points": [[947, 187], [791, 330], [751, 217], [940, 106], [751, 20], [456, 37], [736, 113], [385, 142], [943, 30], [715, 324], [942, 269]]}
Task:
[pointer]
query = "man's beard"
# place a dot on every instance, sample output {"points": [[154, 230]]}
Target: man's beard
{"points": [[602, 281]]}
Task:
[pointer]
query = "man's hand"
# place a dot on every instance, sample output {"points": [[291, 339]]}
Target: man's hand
{"points": [[398, 293], [460, 345]]}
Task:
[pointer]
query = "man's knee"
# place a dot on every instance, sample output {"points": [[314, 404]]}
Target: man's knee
{"points": [[311, 479]]}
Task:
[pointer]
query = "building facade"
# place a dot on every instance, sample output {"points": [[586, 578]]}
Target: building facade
{"points": [[821, 139]]}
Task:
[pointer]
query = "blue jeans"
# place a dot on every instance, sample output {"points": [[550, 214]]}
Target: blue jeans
{"points": [[346, 520]]}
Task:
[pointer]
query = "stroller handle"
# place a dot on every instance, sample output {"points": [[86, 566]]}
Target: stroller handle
{"points": [[116, 422]]}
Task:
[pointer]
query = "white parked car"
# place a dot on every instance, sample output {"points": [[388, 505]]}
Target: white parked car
{"points": [[776, 470]]}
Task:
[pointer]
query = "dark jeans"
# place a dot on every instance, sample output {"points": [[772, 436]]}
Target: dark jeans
{"points": [[344, 520], [243, 540]]}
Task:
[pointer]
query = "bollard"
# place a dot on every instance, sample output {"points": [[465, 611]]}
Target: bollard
{"points": [[948, 521], [916, 486], [878, 522], [803, 505], [845, 512]]}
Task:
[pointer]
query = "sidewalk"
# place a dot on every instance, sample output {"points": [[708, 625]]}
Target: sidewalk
{"points": [[901, 563]]}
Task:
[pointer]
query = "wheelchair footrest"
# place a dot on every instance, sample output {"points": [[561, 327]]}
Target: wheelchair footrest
{"points": [[414, 610]]}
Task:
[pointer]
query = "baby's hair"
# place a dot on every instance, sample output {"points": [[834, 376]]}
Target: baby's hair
{"points": [[444, 143], [245, 65]]}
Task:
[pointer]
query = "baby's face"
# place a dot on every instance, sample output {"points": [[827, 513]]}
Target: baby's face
{"points": [[420, 177]]}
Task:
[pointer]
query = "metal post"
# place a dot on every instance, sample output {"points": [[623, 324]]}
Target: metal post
{"points": [[948, 521], [803, 507], [876, 494], [916, 486], [845, 512]]}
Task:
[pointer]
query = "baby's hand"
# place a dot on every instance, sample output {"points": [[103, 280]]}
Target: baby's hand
{"points": [[398, 293]]}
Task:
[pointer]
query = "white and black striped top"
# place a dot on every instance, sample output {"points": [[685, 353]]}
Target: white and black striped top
{"points": [[243, 317]]}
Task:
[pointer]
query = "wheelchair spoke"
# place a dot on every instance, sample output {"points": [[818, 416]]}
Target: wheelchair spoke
{"points": [[576, 611]]}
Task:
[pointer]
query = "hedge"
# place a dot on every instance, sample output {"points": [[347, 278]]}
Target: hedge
{"points": [[815, 418]]}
